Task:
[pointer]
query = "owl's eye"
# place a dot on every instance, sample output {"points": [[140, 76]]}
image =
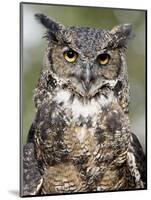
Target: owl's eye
{"points": [[103, 59], [70, 56]]}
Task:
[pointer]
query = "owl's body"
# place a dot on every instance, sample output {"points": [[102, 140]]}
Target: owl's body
{"points": [[80, 140]]}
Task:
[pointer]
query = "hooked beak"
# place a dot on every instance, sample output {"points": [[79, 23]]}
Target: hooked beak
{"points": [[86, 78]]}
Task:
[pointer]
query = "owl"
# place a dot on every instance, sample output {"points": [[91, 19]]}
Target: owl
{"points": [[80, 139]]}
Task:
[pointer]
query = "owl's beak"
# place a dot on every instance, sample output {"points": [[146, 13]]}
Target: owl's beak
{"points": [[86, 78]]}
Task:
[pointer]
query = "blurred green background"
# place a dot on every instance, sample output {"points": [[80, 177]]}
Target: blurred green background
{"points": [[34, 46]]}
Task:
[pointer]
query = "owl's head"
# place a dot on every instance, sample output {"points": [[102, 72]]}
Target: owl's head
{"points": [[87, 59]]}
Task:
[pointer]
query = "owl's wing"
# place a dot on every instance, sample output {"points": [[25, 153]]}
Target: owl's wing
{"points": [[137, 162], [32, 130], [32, 179]]}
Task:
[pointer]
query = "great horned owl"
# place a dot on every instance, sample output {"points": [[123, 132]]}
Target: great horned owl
{"points": [[80, 139]]}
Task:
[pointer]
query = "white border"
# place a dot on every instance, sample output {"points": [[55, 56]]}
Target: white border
{"points": [[9, 98]]}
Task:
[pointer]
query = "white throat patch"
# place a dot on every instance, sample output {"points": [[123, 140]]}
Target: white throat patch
{"points": [[77, 108]]}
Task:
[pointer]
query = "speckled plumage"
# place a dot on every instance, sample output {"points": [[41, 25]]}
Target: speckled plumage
{"points": [[80, 139]]}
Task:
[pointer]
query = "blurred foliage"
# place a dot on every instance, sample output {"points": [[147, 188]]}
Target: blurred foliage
{"points": [[84, 16]]}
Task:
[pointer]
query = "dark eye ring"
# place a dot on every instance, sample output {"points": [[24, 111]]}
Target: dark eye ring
{"points": [[103, 59]]}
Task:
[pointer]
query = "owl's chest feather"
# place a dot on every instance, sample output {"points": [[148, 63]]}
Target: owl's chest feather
{"points": [[77, 135], [77, 109], [80, 133]]}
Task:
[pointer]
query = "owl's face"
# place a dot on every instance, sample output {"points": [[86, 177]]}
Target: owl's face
{"points": [[87, 59], [84, 62]]}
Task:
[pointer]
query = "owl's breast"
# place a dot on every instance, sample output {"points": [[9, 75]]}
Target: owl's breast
{"points": [[79, 132], [83, 133], [80, 142]]}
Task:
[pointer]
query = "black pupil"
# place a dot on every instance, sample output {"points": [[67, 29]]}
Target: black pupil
{"points": [[70, 54], [103, 57]]}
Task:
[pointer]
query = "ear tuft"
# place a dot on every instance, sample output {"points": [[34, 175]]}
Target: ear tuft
{"points": [[125, 29], [121, 34], [47, 23]]}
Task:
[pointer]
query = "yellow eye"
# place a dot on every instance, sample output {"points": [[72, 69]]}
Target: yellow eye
{"points": [[103, 59], [70, 56]]}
